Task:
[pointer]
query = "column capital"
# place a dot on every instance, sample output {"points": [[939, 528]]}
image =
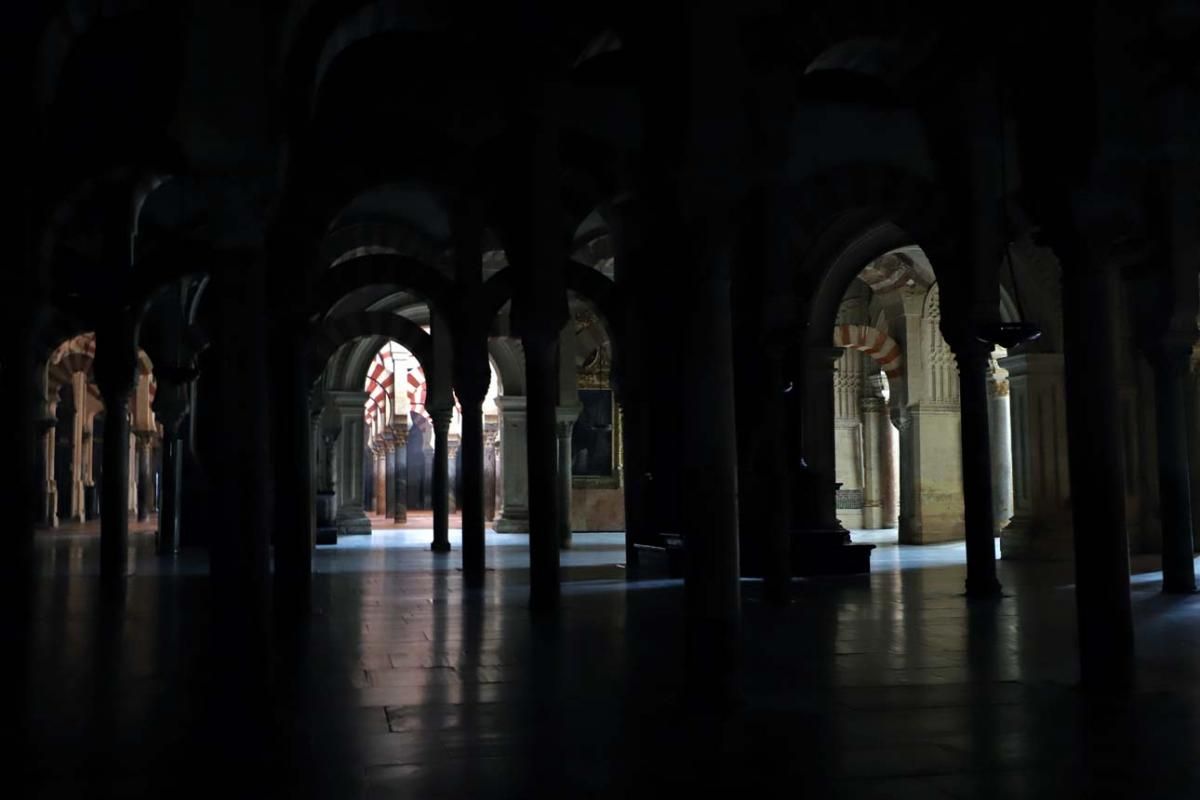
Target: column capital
{"points": [[564, 420], [440, 417], [399, 433]]}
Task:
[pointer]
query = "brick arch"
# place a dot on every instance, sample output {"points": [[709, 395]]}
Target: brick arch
{"points": [[883, 349]]}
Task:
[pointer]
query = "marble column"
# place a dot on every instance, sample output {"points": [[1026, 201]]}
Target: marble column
{"points": [[145, 481], [389, 475], [400, 472], [380, 476], [1041, 522], [1193, 411], [513, 514], [453, 442], [490, 482], [441, 487], [876, 465], [1000, 427], [134, 473], [978, 512], [351, 517], [49, 515], [80, 447], [848, 437], [1171, 360], [564, 424]]}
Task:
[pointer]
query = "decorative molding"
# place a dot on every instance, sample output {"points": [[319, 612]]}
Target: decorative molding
{"points": [[849, 498]]}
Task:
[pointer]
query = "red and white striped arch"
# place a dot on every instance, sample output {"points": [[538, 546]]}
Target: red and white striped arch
{"points": [[875, 343], [394, 364]]}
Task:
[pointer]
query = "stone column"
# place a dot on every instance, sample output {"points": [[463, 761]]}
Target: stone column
{"points": [[816, 513], [79, 444], [400, 471], [389, 475], [490, 480], [709, 462], [1171, 360], [471, 481], [931, 498], [115, 370], [848, 437], [978, 512], [1193, 409], [513, 515], [564, 425], [134, 473], [348, 407], [1000, 426], [380, 476], [1105, 614], [441, 467], [453, 441], [875, 467], [171, 405], [49, 515], [1041, 522], [145, 481]]}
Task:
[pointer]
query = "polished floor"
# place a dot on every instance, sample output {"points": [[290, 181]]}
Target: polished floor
{"points": [[400, 684]]}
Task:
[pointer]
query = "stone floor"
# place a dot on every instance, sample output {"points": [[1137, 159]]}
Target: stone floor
{"points": [[399, 684]]}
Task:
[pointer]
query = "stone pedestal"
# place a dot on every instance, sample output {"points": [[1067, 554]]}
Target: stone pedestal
{"points": [[351, 518], [513, 514], [1041, 522], [931, 502]]}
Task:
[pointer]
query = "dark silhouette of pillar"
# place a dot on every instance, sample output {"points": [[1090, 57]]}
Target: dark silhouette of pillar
{"points": [[295, 501], [564, 425], [471, 380], [171, 405], [145, 494], [115, 371], [389, 476], [978, 514], [400, 472], [441, 480], [1097, 496], [541, 384], [1171, 361], [709, 459]]}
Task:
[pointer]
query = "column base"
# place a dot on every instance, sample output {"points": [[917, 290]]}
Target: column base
{"points": [[828, 551], [354, 523], [932, 529], [511, 523], [1034, 539], [989, 590], [440, 547]]}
